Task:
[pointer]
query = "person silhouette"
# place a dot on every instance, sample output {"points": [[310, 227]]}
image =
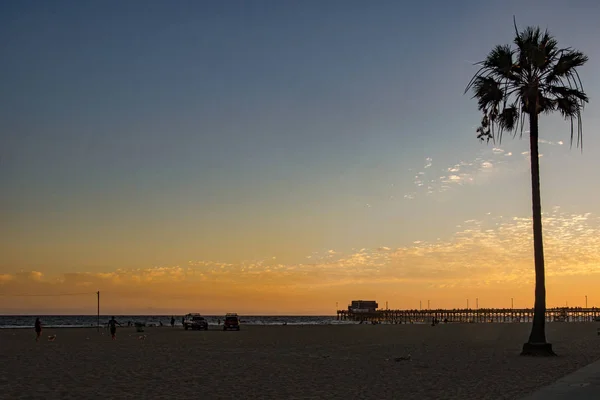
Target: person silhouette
{"points": [[112, 323], [38, 329]]}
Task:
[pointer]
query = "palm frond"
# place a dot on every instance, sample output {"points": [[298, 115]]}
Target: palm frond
{"points": [[546, 104], [508, 120], [488, 92], [568, 106], [484, 131], [500, 62], [549, 46], [566, 66], [479, 73], [562, 91], [528, 49]]}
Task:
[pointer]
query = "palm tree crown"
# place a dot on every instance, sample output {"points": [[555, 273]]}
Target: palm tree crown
{"points": [[537, 76]]}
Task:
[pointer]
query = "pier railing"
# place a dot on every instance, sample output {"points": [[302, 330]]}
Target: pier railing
{"points": [[562, 314]]}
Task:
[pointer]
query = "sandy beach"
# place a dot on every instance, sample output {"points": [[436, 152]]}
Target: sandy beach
{"points": [[454, 361]]}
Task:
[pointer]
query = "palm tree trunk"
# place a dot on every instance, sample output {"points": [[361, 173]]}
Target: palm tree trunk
{"points": [[538, 331], [537, 344]]}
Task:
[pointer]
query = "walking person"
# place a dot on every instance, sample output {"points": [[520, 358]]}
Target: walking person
{"points": [[38, 329], [112, 324], [172, 322]]}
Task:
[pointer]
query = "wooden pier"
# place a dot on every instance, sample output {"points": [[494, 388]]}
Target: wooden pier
{"points": [[481, 315]]}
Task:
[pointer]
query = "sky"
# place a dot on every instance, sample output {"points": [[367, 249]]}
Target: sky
{"points": [[280, 157]]}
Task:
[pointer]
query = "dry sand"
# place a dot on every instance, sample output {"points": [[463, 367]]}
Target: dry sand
{"points": [[454, 361]]}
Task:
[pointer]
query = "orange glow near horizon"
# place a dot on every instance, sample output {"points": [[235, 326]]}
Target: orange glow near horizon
{"points": [[490, 260]]}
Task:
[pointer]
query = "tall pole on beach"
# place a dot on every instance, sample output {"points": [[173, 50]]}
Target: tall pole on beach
{"points": [[428, 307], [98, 321], [512, 303], [420, 305], [586, 301]]}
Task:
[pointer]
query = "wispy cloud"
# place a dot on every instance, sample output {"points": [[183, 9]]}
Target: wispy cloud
{"points": [[489, 164]]}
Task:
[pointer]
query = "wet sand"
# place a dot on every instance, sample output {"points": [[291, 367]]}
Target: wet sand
{"points": [[454, 361]]}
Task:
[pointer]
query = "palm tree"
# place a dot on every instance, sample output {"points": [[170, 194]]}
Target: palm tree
{"points": [[534, 77]]}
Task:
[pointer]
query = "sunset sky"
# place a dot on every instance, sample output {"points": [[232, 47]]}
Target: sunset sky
{"points": [[279, 157]]}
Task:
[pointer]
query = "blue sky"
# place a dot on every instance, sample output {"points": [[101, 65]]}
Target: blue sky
{"points": [[142, 133]]}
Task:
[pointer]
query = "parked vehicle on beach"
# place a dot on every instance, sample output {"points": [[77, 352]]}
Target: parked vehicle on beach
{"points": [[195, 321], [232, 321]]}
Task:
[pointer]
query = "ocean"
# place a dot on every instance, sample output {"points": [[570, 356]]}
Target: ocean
{"points": [[81, 321]]}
